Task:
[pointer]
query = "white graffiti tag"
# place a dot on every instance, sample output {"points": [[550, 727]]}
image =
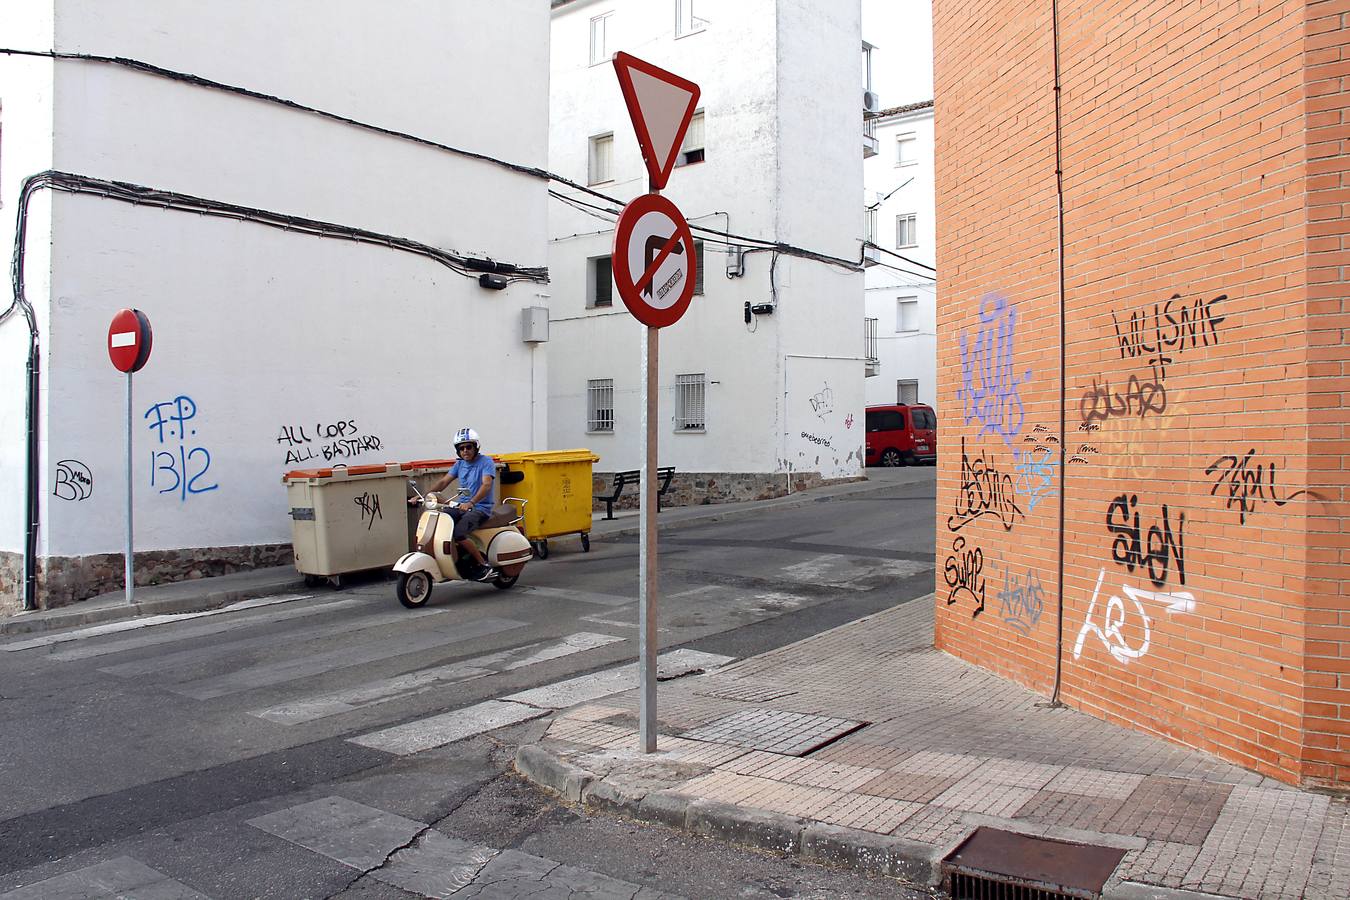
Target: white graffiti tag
{"points": [[1116, 618]]}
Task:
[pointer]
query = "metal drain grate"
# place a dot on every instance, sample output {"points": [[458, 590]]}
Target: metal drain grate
{"points": [[775, 730], [993, 864], [745, 693]]}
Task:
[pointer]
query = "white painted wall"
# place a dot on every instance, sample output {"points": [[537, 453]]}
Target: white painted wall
{"points": [[781, 92], [262, 329], [25, 148], [904, 354]]}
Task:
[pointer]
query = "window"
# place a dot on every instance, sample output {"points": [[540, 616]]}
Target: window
{"points": [[691, 151], [601, 276], [600, 167], [685, 20], [907, 314], [923, 418], [907, 230], [600, 38], [689, 402], [698, 267], [907, 392], [906, 148], [600, 404], [885, 420]]}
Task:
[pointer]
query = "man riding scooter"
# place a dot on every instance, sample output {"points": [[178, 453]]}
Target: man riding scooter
{"points": [[475, 472]]}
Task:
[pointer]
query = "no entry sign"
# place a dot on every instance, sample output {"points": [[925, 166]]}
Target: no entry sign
{"points": [[129, 340], [654, 265]]}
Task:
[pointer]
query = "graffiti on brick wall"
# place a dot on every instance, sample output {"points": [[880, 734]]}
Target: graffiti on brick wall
{"points": [[1036, 470], [176, 467], [984, 491], [1141, 397], [964, 574], [1248, 485], [1021, 601], [1154, 552], [989, 387], [1168, 328], [1126, 632], [74, 481]]}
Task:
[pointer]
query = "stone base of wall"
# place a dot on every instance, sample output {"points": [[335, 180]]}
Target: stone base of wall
{"points": [[704, 488], [63, 580]]}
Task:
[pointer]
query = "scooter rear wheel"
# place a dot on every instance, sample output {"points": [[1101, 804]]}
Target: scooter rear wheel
{"points": [[502, 582], [414, 589]]}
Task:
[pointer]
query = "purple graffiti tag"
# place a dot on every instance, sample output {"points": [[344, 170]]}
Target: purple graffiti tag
{"points": [[989, 387]]}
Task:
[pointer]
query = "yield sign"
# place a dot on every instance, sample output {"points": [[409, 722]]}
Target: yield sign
{"points": [[660, 104]]}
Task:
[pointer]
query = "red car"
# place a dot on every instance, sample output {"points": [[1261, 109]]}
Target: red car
{"points": [[901, 435]]}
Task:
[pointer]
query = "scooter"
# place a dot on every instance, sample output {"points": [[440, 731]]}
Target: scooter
{"points": [[434, 560]]}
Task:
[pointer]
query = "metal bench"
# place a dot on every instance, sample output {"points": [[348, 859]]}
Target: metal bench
{"points": [[634, 477]]}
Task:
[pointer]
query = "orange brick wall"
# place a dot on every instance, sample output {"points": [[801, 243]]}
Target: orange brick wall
{"points": [[1205, 365]]}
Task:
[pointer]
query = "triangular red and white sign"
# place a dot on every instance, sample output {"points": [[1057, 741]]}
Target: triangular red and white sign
{"points": [[660, 104]]}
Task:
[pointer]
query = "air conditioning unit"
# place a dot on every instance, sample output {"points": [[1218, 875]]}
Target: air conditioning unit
{"points": [[871, 102]]}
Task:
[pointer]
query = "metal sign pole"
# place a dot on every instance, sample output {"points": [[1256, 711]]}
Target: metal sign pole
{"points": [[130, 575], [647, 540]]}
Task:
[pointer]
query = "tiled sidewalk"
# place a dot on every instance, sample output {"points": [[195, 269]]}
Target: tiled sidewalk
{"points": [[947, 748]]}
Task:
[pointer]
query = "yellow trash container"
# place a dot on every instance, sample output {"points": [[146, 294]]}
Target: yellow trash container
{"points": [[557, 486]]}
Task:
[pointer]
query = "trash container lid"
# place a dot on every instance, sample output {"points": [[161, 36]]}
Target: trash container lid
{"points": [[341, 472], [549, 456]]}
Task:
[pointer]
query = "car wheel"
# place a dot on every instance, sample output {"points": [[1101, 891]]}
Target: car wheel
{"points": [[414, 589], [890, 457]]}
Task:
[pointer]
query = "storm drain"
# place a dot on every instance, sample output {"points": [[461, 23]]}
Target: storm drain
{"points": [[1001, 865], [774, 730]]}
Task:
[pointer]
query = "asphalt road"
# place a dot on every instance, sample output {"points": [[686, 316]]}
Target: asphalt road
{"points": [[265, 752]]}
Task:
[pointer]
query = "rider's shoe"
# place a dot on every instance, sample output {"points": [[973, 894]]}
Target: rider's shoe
{"points": [[487, 573]]}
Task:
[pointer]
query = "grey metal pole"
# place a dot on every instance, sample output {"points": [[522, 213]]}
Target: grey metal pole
{"points": [[130, 575], [647, 544]]}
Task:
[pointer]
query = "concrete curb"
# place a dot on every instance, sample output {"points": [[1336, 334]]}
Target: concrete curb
{"points": [[1133, 890], [850, 848]]}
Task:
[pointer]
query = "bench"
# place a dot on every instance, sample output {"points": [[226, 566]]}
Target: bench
{"points": [[634, 477]]}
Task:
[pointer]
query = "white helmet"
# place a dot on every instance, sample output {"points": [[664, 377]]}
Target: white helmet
{"points": [[467, 436]]}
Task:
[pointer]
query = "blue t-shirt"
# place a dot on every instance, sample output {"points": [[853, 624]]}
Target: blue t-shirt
{"points": [[470, 475]]}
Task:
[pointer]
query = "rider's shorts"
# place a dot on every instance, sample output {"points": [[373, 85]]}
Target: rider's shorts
{"points": [[466, 521]]}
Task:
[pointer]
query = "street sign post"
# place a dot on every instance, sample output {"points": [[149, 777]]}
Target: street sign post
{"points": [[129, 343], [654, 270]]}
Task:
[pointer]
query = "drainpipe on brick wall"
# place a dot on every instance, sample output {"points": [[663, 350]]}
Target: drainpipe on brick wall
{"points": [[1063, 437]]}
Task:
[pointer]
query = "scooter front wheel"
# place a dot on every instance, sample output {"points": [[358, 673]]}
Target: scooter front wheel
{"points": [[502, 582], [414, 589]]}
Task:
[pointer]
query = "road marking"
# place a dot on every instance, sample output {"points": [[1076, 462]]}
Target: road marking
{"points": [[583, 596], [119, 877], [145, 622], [338, 702], [344, 657], [446, 728]]}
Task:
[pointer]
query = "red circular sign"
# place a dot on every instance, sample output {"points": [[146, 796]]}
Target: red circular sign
{"points": [[129, 340], [653, 262]]}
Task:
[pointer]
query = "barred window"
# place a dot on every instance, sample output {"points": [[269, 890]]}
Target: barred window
{"points": [[600, 404], [689, 402]]}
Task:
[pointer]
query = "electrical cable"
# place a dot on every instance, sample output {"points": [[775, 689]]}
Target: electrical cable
{"points": [[912, 262]]}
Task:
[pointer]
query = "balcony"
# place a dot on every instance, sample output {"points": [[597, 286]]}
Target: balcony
{"points": [[870, 146], [873, 364], [871, 254]]}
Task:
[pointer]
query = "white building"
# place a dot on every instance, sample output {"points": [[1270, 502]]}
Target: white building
{"points": [[761, 382], [901, 286], [275, 349]]}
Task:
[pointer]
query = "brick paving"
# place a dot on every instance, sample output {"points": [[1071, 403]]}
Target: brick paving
{"points": [[948, 748]]}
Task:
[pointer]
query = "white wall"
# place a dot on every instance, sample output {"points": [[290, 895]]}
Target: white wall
{"points": [[25, 148], [265, 330], [904, 354], [749, 58]]}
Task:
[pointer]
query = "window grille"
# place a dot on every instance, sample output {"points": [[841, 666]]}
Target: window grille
{"points": [[870, 340], [689, 402], [600, 404], [906, 230], [601, 165], [602, 285], [870, 226]]}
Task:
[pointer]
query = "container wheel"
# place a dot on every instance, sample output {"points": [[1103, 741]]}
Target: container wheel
{"points": [[585, 543], [502, 582], [541, 549], [414, 589], [313, 581]]}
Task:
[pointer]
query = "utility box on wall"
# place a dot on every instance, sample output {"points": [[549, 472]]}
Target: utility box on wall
{"points": [[534, 324]]}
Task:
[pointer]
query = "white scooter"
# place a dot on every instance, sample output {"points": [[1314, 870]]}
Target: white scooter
{"points": [[498, 539]]}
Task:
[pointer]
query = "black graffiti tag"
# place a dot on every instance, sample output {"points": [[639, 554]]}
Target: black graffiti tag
{"points": [[984, 491], [370, 508], [964, 573], [1100, 403], [1154, 552], [1248, 485], [74, 481]]}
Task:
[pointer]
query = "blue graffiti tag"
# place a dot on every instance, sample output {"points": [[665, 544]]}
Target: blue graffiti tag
{"points": [[989, 388], [1021, 602], [174, 457], [1035, 474]]}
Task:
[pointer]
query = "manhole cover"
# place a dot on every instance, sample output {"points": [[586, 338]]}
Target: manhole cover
{"points": [[745, 693], [1003, 864], [788, 733]]}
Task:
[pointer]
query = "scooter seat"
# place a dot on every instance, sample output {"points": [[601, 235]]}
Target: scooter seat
{"points": [[502, 515]]}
